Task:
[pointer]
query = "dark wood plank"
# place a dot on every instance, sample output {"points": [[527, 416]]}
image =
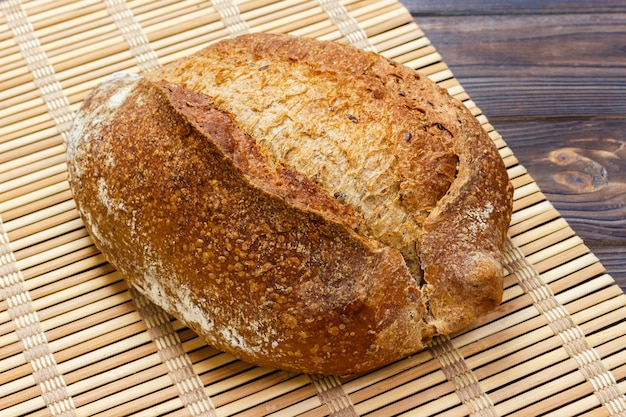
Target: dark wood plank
{"points": [[581, 168], [537, 66], [552, 81], [490, 7]]}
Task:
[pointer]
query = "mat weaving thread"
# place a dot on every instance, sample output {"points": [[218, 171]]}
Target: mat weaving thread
{"points": [[231, 17], [133, 35], [348, 26], [332, 394], [35, 344], [467, 386]]}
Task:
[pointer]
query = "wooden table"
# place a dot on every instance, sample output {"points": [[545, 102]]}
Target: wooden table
{"points": [[551, 78]]}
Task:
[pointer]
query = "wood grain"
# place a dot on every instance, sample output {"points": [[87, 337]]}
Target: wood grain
{"points": [[551, 78], [511, 7], [580, 166]]}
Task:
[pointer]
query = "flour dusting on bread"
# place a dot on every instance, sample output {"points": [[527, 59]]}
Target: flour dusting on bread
{"points": [[302, 205]]}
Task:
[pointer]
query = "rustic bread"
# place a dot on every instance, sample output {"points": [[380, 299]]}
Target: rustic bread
{"points": [[302, 205]]}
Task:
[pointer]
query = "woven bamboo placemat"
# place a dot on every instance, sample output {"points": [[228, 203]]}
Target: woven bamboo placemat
{"points": [[75, 340]]}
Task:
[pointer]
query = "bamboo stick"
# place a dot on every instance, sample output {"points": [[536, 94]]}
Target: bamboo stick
{"points": [[21, 389], [275, 389], [222, 373], [570, 268], [394, 18], [35, 202], [553, 250], [226, 402], [431, 386], [523, 314], [541, 242], [11, 346], [54, 227], [126, 383], [23, 408], [71, 304], [80, 27], [522, 349], [139, 404], [530, 212], [397, 36], [613, 315], [150, 13], [407, 49], [570, 276], [529, 200], [525, 240], [292, 403], [37, 220], [63, 260], [540, 371], [436, 72], [363, 10], [308, 18], [516, 171], [77, 272], [86, 354], [106, 352], [86, 317], [46, 170], [567, 255], [171, 408], [170, 51], [509, 159], [277, 11], [245, 6], [421, 362], [212, 363], [542, 215], [22, 159], [18, 133], [562, 404], [77, 232], [299, 408], [85, 37], [520, 182], [55, 251], [45, 186], [43, 16], [387, 390]]}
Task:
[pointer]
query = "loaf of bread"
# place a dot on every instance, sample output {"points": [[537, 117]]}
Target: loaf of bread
{"points": [[302, 205]]}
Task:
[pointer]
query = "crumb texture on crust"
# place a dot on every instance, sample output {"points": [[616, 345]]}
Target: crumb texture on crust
{"points": [[407, 157], [258, 276], [302, 205]]}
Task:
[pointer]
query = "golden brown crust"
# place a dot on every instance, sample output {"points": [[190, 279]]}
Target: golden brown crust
{"points": [[274, 283], [300, 204]]}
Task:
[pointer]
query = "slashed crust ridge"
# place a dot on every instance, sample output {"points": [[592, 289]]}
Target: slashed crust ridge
{"points": [[302, 205], [382, 139]]}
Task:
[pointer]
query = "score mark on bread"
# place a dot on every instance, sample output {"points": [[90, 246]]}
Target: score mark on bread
{"points": [[303, 205]]}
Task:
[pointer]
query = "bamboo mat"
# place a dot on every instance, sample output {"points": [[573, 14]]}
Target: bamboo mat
{"points": [[76, 341]]}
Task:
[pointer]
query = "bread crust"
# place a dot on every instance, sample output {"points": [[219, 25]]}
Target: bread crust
{"points": [[268, 258]]}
